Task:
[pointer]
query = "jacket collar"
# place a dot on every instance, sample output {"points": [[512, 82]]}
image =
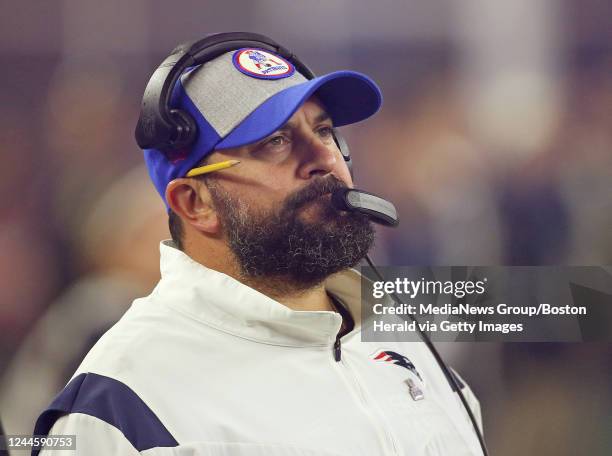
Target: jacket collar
{"points": [[218, 300]]}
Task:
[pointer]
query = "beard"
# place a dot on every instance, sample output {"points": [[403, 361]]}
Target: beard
{"points": [[281, 249]]}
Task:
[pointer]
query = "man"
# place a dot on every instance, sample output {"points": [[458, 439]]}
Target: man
{"points": [[249, 344]]}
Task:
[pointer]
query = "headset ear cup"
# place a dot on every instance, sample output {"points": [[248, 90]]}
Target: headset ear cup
{"points": [[344, 150], [185, 129]]}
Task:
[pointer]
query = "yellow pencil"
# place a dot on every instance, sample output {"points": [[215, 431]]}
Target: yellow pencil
{"points": [[210, 168]]}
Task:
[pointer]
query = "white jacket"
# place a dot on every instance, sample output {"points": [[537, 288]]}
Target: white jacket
{"points": [[206, 366]]}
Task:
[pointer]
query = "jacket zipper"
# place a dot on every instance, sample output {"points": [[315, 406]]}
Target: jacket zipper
{"points": [[337, 349], [382, 431]]}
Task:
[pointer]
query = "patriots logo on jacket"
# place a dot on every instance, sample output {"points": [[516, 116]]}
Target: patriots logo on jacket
{"points": [[392, 357]]}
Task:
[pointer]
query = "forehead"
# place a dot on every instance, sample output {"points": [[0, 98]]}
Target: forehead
{"points": [[312, 111]]}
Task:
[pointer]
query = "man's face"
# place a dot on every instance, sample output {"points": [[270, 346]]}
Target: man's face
{"points": [[275, 207], [285, 161]]}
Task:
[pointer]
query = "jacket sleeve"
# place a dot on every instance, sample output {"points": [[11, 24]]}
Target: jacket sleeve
{"points": [[107, 417], [94, 437]]}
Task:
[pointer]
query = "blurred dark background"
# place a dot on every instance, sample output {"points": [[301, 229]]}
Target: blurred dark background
{"points": [[494, 141]]}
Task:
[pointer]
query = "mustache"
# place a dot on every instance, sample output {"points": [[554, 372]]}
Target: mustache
{"points": [[320, 186]]}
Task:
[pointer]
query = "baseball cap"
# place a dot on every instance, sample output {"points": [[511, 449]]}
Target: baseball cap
{"points": [[245, 95]]}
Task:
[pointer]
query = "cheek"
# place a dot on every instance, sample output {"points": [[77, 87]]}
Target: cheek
{"points": [[260, 196], [342, 172], [259, 181]]}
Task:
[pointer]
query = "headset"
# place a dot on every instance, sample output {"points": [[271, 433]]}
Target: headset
{"points": [[165, 128]]}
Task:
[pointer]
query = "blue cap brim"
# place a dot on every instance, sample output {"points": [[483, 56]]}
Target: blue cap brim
{"points": [[348, 97]]}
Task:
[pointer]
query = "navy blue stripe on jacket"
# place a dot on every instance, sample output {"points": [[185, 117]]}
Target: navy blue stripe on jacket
{"points": [[112, 402]]}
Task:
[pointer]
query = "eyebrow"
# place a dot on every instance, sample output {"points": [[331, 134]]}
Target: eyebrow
{"points": [[320, 118]]}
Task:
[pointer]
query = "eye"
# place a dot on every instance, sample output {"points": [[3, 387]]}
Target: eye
{"points": [[275, 148], [325, 132], [277, 141]]}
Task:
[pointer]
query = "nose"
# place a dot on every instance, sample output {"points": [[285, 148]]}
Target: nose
{"points": [[317, 157]]}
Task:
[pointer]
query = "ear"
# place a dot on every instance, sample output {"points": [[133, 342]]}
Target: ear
{"points": [[191, 201]]}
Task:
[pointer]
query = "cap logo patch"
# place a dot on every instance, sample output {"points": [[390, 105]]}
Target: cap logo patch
{"points": [[261, 64]]}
